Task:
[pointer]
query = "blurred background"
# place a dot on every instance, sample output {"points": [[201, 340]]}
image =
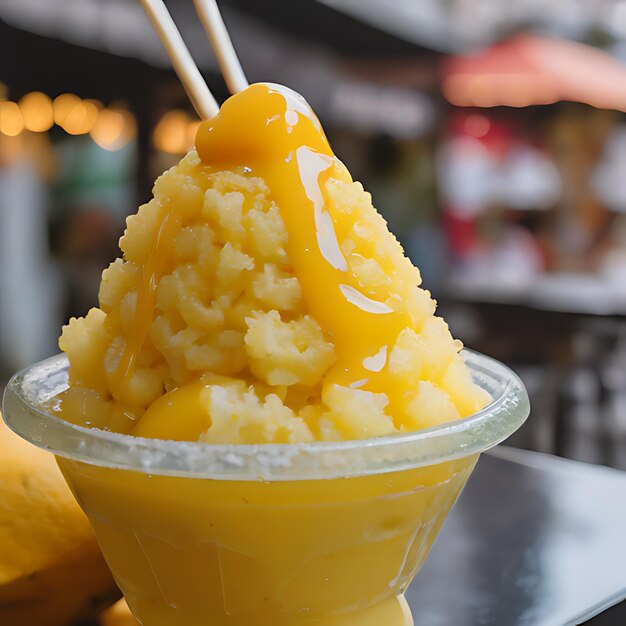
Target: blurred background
{"points": [[491, 134]]}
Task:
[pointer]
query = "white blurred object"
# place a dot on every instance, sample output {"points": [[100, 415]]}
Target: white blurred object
{"points": [[613, 271], [529, 180], [608, 180], [400, 112], [614, 19], [29, 311], [468, 176], [458, 24], [507, 270], [576, 293], [515, 260]]}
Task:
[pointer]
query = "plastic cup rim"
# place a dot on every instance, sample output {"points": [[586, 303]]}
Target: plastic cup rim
{"points": [[28, 417]]}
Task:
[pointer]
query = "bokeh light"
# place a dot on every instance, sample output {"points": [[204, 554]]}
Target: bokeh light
{"points": [[477, 125], [81, 118], [63, 106], [37, 111], [114, 128], [11, 120], [171, 134]]}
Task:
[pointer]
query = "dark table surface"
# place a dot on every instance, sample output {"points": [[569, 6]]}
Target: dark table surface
{"points": [[534, 540]]}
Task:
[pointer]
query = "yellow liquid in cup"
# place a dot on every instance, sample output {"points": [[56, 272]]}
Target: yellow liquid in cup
{"points": [[200, 552]]}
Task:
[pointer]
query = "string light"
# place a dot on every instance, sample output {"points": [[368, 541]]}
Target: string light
{"points": [[175, 132], [63, 106], [113, 129], [81, 118], [37, 111], [11, 120], [110, 128], [171, 133]]}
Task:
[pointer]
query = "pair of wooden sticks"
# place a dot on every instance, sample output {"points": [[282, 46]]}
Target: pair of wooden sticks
{"points": [[199, 93]]}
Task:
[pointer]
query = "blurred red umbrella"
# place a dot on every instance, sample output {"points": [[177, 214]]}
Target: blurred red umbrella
{"points": [[530, 69]]}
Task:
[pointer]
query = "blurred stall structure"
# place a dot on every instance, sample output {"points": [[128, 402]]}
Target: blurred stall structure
{"points": [[491, 135]]}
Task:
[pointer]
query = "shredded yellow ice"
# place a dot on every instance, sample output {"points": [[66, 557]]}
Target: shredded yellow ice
{"points": [[229, 310]]}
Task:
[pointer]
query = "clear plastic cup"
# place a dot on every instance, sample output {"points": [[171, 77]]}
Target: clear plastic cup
{"points": [[327, 534]]}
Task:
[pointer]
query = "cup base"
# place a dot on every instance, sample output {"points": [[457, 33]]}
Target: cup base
{"points": [[392, 612]]}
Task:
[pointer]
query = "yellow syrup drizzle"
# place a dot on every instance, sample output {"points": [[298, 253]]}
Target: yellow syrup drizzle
{"points": [[273, 132], [151, 272]]}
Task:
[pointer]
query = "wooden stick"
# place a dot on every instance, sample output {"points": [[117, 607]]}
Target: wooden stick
{"points": [[215, 28], [188, 73]]}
